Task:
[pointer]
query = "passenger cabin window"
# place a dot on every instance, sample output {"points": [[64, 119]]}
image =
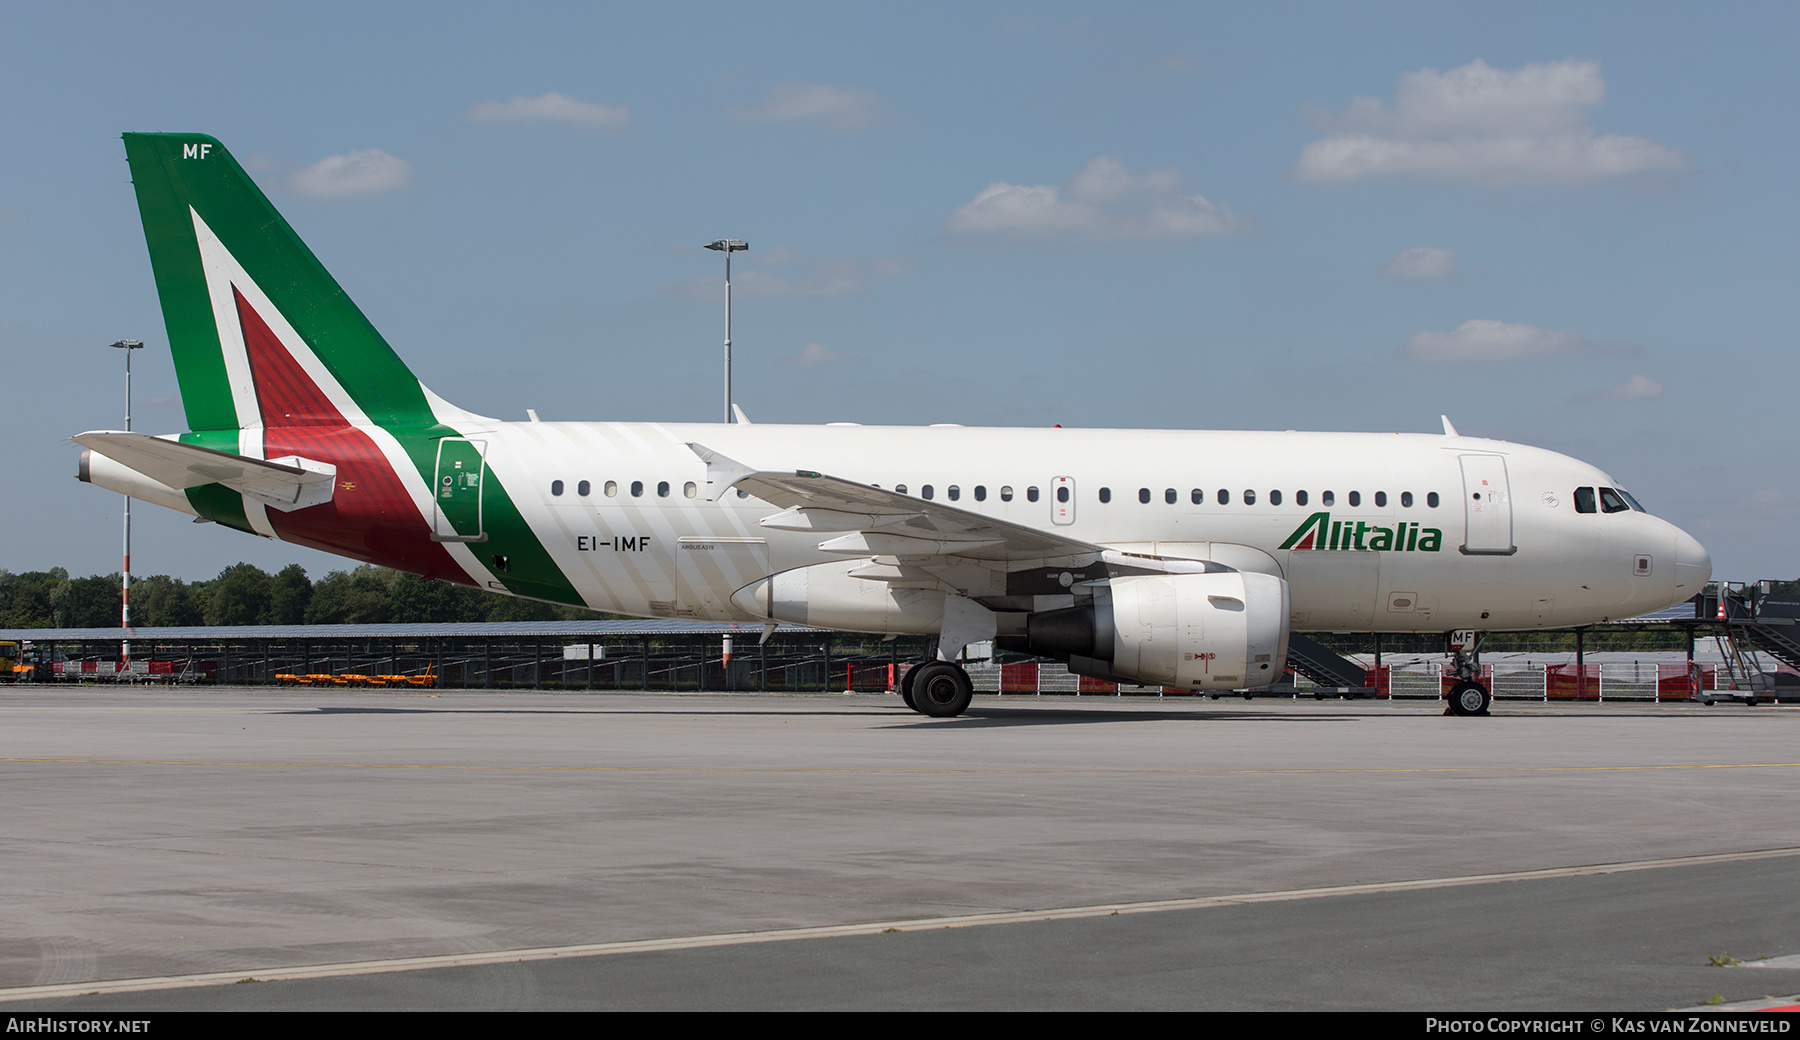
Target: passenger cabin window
{"points": [[1105, 494], [1406, 500], [612, 489], [1249, 497], [556, 487], [1006, 493], [1381, 498], [1031, 494], [1431, 499], [1299, 498], [954, 492], [1169, 496], [981, 493], [583, 488], [662, 489], [899, 489], [1584, 500], [1274, 498], [1224, 497], [637, 489], [1611, 502], [1197, 496], [925, 492], [1356, 498], [1144, 495], [1327, 498], [689, 490], [1062, 493]]}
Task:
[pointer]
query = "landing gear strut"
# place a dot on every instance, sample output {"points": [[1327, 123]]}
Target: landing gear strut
{"points": [[937, 688]]}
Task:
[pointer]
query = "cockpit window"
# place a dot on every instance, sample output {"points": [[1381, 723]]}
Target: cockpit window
{"points": [[1635, 504], [1611, 502], [1584, 500]]}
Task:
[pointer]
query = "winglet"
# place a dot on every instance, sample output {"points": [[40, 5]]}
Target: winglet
{"points": [[743, 420], [1449, 430], [721, 472]]}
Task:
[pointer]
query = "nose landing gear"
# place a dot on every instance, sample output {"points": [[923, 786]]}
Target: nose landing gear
{"points": [[1467, 696]]}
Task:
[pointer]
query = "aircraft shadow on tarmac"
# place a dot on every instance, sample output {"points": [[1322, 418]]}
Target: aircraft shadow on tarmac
{"points": [[896, 717]]}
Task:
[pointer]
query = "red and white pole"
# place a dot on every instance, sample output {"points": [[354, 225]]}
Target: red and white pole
{"points": [[127, 345]]}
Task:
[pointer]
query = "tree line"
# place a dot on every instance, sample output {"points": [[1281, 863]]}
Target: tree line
{"points": [[244, 594]]}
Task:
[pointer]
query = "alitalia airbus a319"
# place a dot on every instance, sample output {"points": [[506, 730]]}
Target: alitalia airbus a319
{"points": [[1173, 557]]}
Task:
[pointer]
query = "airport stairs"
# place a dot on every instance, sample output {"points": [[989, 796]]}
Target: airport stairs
{"points": [[1750, 620], [1324, 665], [1775, 629]]}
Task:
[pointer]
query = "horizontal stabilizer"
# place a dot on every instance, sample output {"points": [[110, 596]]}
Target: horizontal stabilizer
{"points": [[287, 483]]}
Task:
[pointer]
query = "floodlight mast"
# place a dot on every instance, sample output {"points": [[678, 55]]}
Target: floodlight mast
{"points": [[127, 345], [728, 246]]}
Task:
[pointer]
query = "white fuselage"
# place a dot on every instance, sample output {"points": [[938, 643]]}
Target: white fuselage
{"points": [[1520, 557]]}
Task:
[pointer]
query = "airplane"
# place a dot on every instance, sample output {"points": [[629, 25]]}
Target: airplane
{"points": [[1174, 557]]}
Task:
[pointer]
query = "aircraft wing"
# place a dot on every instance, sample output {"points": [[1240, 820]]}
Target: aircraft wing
{"points": [[859, 520], [286, 483]]}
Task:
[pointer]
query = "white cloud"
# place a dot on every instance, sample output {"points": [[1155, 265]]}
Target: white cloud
{"points": [[841, 108], [1637, 388], [1422, 262], [1102, 200], [813, 355], [1482, 125], [1483, 339], [358, 173], [554, 108]]}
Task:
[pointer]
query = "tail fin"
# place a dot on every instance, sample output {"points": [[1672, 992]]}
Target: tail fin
{"points": [[262, 334]]}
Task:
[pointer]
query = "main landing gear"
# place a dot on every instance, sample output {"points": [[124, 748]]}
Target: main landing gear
{"points": [[939, 689]]}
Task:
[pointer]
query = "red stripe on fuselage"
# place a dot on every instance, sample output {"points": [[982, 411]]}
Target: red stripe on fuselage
{"points": [[371, 516]]}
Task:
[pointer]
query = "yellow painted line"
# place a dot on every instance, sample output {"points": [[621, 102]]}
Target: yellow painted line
{"points": [[882, 771], [695, 942]]}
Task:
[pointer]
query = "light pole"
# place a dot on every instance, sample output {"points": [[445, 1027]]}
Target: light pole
{"points": [[728, 246], [127, 345]]}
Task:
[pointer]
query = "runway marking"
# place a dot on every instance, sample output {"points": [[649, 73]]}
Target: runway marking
{"points": [[695, 942], [882, 771]]}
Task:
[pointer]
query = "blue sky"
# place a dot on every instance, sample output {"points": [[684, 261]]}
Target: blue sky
{"points": [[1567, 225]]}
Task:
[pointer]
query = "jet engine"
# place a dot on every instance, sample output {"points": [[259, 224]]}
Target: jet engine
{"points": [[1219, 631]]}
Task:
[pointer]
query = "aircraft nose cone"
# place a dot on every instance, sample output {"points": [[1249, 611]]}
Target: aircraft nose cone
{"points": [[1693, 564]]}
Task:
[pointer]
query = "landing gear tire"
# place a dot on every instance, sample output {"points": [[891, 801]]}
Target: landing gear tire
{"points": [[1469, 698], [906, 686], [942, 690]]}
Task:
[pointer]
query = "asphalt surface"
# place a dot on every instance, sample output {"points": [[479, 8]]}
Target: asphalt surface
{"points": [[162, 835]]}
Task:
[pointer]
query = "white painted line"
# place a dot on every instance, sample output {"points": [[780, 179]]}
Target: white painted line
{"points": [[694, 942]]}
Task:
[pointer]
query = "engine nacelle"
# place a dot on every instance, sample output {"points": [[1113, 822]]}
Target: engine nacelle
{"points": [[827, 596], [1225, 631]]}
